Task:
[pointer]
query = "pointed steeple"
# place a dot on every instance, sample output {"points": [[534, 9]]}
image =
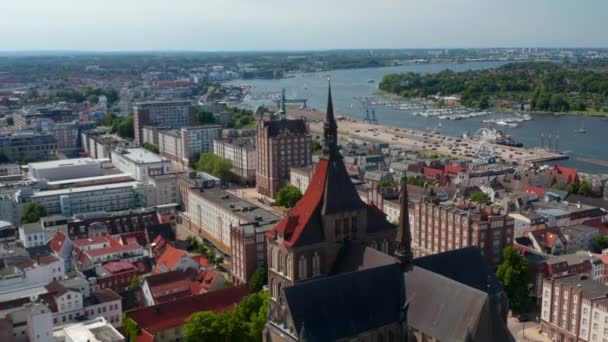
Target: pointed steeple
{"points": [[282, 110], [403, 251], [330, 129]]}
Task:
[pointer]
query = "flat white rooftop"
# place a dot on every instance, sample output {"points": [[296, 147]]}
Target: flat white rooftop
{"points": [[89, 179], [140, 155], [64, 163], [83, 189]]}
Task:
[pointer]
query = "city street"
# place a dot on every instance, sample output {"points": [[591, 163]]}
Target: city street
{"points": [[525, 331]]}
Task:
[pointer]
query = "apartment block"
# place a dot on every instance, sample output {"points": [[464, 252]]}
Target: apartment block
{"points": [[574, 308], [281, 145], [439, 228], [241, 152], [174, 114], [182, 145]]}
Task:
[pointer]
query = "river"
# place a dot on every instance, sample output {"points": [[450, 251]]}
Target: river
{"points": [[351, 83]]}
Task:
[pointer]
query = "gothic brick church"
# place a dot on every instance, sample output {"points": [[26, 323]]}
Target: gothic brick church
{"points": [[339, 271]]}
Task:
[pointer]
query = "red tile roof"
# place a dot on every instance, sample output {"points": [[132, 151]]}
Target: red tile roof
{"points": [[57, 242], [292, 225], [569, 174], [119, 266], [535, 190], [170, 257], [110, 250], [155, 318], [202, 260], [90, 241]]}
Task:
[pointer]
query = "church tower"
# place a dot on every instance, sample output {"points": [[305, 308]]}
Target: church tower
{"points": [[403, 241]]}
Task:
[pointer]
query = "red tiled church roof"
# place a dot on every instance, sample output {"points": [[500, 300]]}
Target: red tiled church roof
{"points": [[294, 223]]}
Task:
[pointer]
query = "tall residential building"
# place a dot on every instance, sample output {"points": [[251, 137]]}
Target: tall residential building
{"points": [[339, 271], [440, 228], [241, 152], [281, 144], [182, 145], [175, 114], [574, 308]]}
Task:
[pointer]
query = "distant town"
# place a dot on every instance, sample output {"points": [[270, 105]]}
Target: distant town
{"points": [[143, 199]]}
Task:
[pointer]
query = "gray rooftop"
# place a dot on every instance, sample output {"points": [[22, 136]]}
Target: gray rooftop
{"points": [[589, 287], [249, 212], [32, 228]]}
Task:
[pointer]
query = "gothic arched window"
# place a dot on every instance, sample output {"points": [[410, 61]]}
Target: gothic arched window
{"points": [[316, 264], [272, 293], [280, 263], [302, 271], [289, 266]]}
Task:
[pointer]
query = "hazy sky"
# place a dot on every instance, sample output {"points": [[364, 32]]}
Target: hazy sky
{"points": [[299, 24]]}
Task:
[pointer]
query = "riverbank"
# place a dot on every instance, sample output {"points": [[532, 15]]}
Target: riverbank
{"points": [[421, 141]]}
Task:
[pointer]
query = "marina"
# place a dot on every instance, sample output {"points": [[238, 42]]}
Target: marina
{"points": [[545, 131], [469, 147]]}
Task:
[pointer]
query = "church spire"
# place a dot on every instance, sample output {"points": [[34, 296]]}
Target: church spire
{"points": [[403, 251], [282, 110], [330, 129]]}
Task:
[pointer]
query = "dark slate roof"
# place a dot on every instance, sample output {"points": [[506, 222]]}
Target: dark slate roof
{"points": [[340, 194], [346, 304], [296, 126], [465, 265], [163, 229], [450, 311], [39, 251], [355, 256]]}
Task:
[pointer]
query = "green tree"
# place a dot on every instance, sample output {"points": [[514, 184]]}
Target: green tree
{"points": [[385, 183], [217, 166], [3, 157], [151, 147], [135, 282], [258, 279], [288, 196], [584, 188], [123, 127], [513, 272], [204, 117], [131, 328], [572, 187], [10, 121], [33, 212], [484, 102], [317, 148], [599, 243], [480, 197]]}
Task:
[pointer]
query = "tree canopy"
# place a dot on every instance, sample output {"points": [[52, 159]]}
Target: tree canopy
{"points": [[258, 279], [288, 196], [205, 117], [599, 243], [215, 165], [244, 323], [480, 197], [33, 212], [547, 86], [513, 272], [151, 147]]}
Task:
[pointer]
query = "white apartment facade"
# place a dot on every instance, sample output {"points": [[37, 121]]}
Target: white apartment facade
{"points": [[241, 152], [188, 142], [574, 308]]}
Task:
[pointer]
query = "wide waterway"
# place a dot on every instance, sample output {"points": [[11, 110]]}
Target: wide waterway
{"points": [[347, 85]]}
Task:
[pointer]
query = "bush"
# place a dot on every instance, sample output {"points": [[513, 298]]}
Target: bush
{"points": [[288, 196]]}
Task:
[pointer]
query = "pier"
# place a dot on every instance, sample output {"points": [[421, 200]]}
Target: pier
{"points": [[425, 141]]}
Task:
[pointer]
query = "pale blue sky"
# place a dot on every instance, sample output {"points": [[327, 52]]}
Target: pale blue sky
{"points": [[299, 24]]}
